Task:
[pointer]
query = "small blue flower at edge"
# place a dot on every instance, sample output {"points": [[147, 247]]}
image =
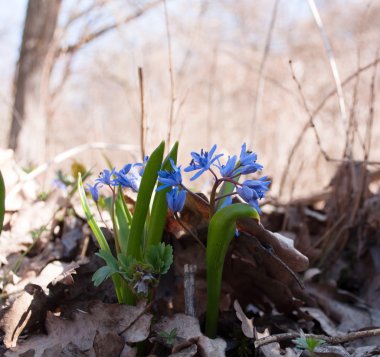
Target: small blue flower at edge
{"points": [[142, 165], [105, 177], [227, 170], [247, 157], [176, 199], [128, 178], [248, 163], [202, 162], [169, 178], [253, 190], [94, 191]]}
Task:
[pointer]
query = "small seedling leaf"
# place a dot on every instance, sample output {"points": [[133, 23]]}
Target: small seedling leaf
{"points": [[160, 256]]}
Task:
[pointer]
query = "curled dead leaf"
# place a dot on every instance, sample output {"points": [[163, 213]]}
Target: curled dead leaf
{"points": [[246, 323]]}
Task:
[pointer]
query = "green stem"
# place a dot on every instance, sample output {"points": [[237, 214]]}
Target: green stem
{"points": [[221, 230], [114, 224]]}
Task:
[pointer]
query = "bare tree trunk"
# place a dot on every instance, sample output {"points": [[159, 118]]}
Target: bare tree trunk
{"points": [[29, 119]]}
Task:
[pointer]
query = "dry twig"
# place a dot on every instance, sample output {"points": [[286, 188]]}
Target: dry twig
{"points": [[142, 118], [316, 111], [334, 340], [260, 81], [172, 87]]}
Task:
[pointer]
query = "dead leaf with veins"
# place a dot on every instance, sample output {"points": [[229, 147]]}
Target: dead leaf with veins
{"points": [[128, 322]]}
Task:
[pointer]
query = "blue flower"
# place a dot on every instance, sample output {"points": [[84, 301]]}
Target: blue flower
{"points": [[105, 177], [227, 170], [128, 177], [247, 161], [176, 199], [142, 165], [169, 178], [202, 162], [94, 191], [253, 190], [125, 169], [60, 185], [247, 156]]}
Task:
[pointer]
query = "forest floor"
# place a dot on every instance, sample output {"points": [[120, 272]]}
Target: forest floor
{"points": [[270, 298]]}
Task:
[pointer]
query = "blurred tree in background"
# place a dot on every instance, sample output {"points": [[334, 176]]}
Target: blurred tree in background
{"points": [[29, 121]]}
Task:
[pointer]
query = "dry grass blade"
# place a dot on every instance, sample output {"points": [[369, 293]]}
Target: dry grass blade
{"points": [[260, 81], [333, 64]]}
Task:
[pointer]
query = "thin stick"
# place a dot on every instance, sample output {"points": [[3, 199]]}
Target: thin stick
{"points": [[334, 67], [188, 230], [210, 96], [368, 133], [189, 288], [260, 81], [334, 340], [172, 87], [86, 38], [142, 118], [314, 114]]}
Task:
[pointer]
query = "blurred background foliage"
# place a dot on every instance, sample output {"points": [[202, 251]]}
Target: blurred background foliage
{"points": [[213, 72]]}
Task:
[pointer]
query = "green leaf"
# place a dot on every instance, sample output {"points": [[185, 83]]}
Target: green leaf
{"points": [[221, 230], [160, 256], [123, 221], [102, 274], [126, 264], [108, 258], [120, 285], [90, 217], [160, 208], [148, 182], [2, 201]]}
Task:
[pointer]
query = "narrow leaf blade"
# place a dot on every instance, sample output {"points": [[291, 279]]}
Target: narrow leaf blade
{"points": [[123, 221], [148, 182], [90, 217], [159, 208]]}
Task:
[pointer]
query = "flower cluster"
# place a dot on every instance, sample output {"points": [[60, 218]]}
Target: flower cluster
{"points": [[128, 177], [251, 191]]}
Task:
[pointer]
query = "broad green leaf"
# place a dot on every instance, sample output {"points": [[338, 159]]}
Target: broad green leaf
{"points": [[160, 256], [160, 208], [148, 182], [102, 274], [90, 217], [122, 219], [2, 201], [221, 230]]}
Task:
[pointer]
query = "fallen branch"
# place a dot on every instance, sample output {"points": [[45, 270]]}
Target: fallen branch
{"points": [[332, 340]]}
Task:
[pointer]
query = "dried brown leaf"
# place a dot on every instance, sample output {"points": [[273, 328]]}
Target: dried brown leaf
{"points": [[28, 308], [246, 323], [81, 330]]}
